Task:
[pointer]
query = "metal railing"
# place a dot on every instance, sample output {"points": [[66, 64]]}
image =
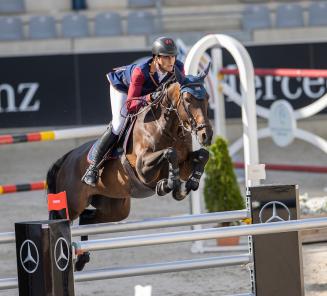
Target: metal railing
{"points": [[202, 234], [101, 228]]}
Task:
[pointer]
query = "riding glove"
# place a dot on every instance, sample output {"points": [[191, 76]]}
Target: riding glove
{"points": [[153, 96]]}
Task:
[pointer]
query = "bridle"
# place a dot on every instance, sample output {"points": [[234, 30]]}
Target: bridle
{"points": [[172, 108], [194, 126]]}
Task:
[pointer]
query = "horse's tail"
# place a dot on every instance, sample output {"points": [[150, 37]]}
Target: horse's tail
{"points": [[52, 173]]}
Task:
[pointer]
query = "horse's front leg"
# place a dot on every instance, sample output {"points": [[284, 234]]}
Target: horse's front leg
{"points": [[165, 186], [199, 159], [173, 183], [153, 165]]}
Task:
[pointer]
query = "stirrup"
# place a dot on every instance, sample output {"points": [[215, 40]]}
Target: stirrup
{"points": [[91, 176]]}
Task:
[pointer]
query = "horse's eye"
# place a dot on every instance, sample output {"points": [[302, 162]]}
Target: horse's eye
{"points": [[188, 99]]}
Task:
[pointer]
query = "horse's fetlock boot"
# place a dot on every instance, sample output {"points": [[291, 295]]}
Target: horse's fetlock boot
{"points": [[198, 173], [162, 187], [171, 155], [204, 155], [192, 184]]}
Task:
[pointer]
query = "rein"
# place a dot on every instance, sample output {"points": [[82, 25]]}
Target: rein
{"points": [[163, 88], [168, 109]]}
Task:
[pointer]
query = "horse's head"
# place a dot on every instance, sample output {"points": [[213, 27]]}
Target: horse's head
{"points": [[191, 101]]}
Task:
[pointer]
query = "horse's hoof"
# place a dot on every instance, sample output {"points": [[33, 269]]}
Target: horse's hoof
{"points": [[180, 193], [178, 196], [192, 185], [82, 260]]}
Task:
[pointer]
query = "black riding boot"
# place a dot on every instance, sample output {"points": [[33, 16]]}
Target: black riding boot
{"points": [[106, 142]]}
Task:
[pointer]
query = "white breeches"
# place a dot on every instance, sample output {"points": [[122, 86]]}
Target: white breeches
{"points": [[118, 108]]}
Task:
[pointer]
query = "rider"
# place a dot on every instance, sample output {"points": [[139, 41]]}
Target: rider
{"points": [[131, 87]]}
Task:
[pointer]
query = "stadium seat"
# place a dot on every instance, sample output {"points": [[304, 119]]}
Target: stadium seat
{"points": [[79, 4], [12, 6], [42, 27], [141, 22], [141, 3], [289, 16], [256, 17], [318, 14], [11, 28], [108, 24], [74, 26]]}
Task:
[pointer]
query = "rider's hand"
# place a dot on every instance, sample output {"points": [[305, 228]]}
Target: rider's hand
{"points": [[154, 96]]}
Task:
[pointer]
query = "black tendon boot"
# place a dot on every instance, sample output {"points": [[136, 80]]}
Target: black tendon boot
{"points": [[106, 142]]}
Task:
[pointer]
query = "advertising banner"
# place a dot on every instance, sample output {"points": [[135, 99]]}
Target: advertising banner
{"points": [[62, 90]]}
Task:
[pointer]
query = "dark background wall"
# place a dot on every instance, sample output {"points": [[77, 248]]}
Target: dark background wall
{"points": [[62, 90]]}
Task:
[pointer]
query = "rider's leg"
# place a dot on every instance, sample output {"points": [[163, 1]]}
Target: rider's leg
{"points": [[118, 109], [110, 136]]}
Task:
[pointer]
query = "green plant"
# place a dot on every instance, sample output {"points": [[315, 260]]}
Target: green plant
{"points": [[221, 190]]}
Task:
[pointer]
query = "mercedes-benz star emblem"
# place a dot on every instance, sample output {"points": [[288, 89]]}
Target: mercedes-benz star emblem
{"points": [[29, 256], [61, 253], [274, 217]]}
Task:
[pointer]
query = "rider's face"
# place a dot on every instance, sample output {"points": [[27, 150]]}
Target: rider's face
{"points": [[166, 63]]}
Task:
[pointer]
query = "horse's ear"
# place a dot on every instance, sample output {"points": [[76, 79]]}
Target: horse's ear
{"points": [[179, 76], [205, 72]]}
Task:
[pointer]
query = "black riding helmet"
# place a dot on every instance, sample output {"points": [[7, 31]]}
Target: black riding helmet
{"points": [[164, 46]]}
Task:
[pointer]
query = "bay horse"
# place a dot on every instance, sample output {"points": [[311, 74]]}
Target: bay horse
{"points": [[158, 158]]}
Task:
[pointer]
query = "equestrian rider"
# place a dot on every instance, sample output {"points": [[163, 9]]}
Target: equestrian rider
{"points": [[132, 87]]}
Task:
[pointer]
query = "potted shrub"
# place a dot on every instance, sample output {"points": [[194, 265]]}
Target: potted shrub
{"points": [[221, 190]]}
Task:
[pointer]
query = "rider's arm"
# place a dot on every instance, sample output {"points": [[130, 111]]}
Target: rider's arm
{"points": [[134, 98]]}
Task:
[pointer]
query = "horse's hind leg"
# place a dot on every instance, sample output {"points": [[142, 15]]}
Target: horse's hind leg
{"points": [[85, 218], [107, 210]]}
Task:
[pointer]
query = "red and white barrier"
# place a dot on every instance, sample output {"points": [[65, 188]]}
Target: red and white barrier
{"points": [[288, 72], [12, 188], [54, 135], [289, 167]]}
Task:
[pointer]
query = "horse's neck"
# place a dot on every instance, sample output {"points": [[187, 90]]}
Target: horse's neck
{"points": [[168, 118]]}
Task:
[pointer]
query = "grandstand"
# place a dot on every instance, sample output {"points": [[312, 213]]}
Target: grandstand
{"points": [[32, 27]]}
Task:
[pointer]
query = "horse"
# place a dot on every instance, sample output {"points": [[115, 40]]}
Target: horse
{"points": [[157, 158]]}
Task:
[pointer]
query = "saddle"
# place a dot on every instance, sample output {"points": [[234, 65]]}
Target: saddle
{"points": [[137, 188], [118, 149]]}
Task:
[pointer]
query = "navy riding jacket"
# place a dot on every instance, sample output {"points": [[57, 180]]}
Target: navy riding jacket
{"points": [[136, 80]]}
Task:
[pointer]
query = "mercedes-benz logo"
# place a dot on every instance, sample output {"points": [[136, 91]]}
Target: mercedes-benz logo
{"points": [[61, 254], [29, 256], [274, 217]]}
